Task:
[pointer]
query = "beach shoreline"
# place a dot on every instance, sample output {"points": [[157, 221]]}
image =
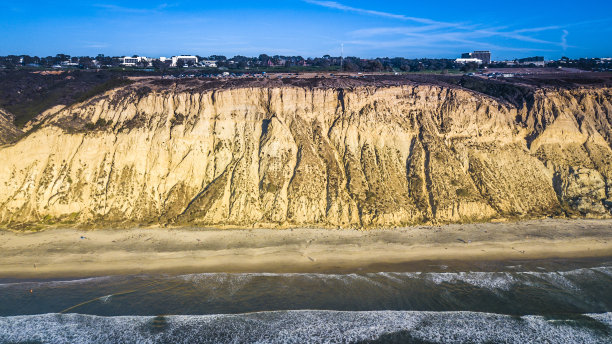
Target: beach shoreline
{"points": [[63, 253]]}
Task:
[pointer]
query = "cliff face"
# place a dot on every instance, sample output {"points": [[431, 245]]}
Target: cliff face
{"points": [[287, 156]]}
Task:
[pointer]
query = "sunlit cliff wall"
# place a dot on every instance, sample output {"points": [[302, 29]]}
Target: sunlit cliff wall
{"points": [[292, 156]]}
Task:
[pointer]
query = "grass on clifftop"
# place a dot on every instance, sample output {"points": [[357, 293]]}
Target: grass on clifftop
{"points": [[26, 94], [99, 89]]}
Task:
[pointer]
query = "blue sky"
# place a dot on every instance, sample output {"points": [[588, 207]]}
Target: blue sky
{"points": [[510, 29]]}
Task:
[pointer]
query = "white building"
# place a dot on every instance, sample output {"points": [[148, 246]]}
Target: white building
{"points": [[133, 61], [470, 60], [186, 59], [536, 63], [207, 63], [69, 63]]}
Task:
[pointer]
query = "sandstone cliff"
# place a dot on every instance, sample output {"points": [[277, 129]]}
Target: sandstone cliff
{"points": [[296, 156]]}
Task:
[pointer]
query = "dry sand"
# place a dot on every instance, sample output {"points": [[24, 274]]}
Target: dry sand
{"points": [[77, 253]]}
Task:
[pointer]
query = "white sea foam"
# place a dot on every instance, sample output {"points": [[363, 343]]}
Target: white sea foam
{"points": [[606, 270], [228, 284], [488, 280], [330, 326], [502, 281], [308, 327], [106, 299], [59, 282]]}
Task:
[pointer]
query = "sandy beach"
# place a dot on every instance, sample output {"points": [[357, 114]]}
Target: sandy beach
{"points": [[79, 253]]}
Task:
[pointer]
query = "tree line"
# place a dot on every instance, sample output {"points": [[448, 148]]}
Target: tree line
{"points": [[264, 61], [326, 62]]}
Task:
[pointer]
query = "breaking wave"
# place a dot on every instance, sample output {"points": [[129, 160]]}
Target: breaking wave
{"points": [[308, 326], [485, 280], [578, 291]]}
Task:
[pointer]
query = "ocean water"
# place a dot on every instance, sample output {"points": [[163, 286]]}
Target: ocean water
{"points": [[549, 301]]}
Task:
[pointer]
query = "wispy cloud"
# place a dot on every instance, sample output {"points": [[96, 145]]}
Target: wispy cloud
{"points": [[516, 35], [435, 45], [339, 6], [117, 8], [564, 40], [401, 30], [427, 31], [433, 33], [538, 29], [12, 9], [96, 45]]}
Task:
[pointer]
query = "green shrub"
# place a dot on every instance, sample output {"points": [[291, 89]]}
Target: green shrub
{"points": [[462, 192]]}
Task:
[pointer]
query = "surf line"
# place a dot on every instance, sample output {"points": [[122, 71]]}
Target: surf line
{"points": [[103, 296]]}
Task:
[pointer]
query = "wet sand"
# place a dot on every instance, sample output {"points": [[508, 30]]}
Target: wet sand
{"points": [[78, 253]]}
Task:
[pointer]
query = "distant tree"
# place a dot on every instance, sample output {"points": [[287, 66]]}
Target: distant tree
{"points": [[469, 66], [374, 66], [180, 63], [143, 63], [46, 61], [61, 57], [26, 59], [319, 62], [157, 64], [116, 61], [350, 66], [86, 62]]}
